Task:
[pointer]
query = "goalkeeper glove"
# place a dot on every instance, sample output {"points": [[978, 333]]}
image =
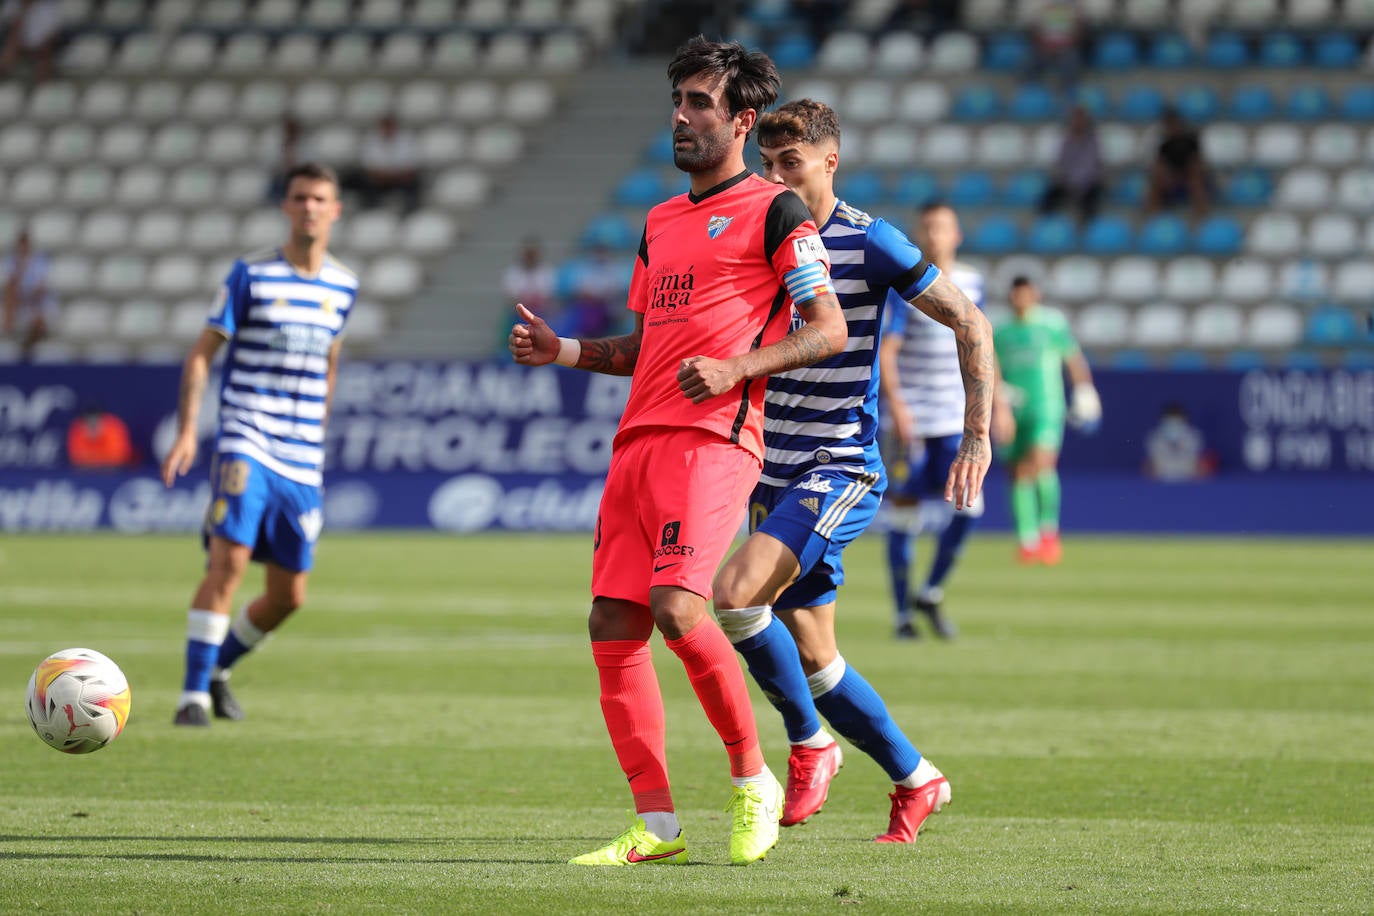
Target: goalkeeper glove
{"points": [[1085, 408]]}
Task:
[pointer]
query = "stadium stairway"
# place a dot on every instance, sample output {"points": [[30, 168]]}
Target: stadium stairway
{"points": [[574, 162]]}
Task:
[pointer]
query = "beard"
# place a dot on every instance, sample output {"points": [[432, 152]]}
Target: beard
{"points": [[709, 151]]}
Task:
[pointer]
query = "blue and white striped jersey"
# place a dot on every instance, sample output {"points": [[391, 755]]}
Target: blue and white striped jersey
{"points": [[828, 413], [928, 362], [281, 326]]}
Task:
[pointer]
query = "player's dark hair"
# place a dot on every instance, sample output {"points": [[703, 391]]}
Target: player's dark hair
{"points": [[314, 171], [931, 206], [1021, 280], [802, 121], [751, 77]]}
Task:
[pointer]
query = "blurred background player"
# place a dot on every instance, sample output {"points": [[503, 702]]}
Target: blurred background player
{"points": [[282, 312], [27, 302], [1034, 348], [823, 479], [923, 392], [710, 292]]}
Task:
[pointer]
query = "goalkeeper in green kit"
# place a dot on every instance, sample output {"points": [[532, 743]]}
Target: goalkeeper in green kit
{"points": [[1033, 349]]}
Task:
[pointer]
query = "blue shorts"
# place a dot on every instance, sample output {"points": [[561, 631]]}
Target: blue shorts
{"points": [[924, 469], [817, 516], [276, 516]]}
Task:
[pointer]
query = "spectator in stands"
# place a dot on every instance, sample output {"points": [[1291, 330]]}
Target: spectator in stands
{"points": [[1179, 171], [530, 280], [27, 305], [98, 439], [389, 164], [599, 288], [1175, 449], [1077, 175], [29, 29], [820, 16], [1057, 35], [928, 17], [295, 149]]}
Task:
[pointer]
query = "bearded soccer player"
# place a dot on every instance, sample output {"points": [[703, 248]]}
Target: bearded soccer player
{"points": [[823, 479], [719, 272], [282, 312]]}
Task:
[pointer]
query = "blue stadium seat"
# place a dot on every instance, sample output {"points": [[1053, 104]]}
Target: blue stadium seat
{"points": [[794, 51], [611, 230], [1116, 51], [1108, 235], [863, 188], [1336, 50], [642, 187], [915, 189], [1197, 104], [1140, 103], [1024, 188], [1226, 51], [1219, 236], [1331, 326], [1128, 188], [1163, 235], [1188, 361], [1170, 50], [660, 148], [1281, 49], [1253, 102], [1244, 360], [1308, 103], [994, 235], [976, 103], [1053, 234], [1358, 102], [1033, 102], [1247, 187], [971, 189], [1094, 100], [1006, 52]]}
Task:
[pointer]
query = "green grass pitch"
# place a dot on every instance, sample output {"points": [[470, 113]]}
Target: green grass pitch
{"points": [[1170, 725]]}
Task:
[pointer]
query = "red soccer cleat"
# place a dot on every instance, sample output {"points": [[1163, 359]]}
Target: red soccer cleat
{"points": [[1028, 556], [911, 807], [809, 771], [1051, 551]]}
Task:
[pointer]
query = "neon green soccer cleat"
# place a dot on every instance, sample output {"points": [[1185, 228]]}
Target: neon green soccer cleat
{"points": [[635, 847], [757, 809]]}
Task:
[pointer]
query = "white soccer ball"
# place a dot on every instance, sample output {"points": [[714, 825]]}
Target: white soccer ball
{"points": [[78, 701]]}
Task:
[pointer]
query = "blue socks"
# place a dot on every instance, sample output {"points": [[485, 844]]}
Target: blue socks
{"points": [[950, 545], [898, 566], [771, 655], [854, 709]]}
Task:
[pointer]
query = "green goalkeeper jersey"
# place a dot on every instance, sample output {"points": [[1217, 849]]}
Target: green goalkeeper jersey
{"points": [[1031, 351]]}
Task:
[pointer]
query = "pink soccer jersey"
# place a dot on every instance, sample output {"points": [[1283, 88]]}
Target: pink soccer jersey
{"points": [[709, 281]]}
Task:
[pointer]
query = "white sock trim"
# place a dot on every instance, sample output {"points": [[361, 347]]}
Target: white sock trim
{"points": [[206, 626], [244, 630], [820, 739], [762, 777], [925, 771], [824, 681], [198, 697], [741, 623]]}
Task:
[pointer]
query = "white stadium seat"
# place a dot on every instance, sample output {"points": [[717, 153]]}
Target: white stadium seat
{"points": [[538, 13], [141, 319], [1077, 278], [1304, 280], [87, 185], [121, 275], [455, 52], [85, 319], [244, 52], [1190, 279], [899, 53], [53, 229], [296, 54], [70, 273], [1352, 281], [1274, 325], [20, 144], [1355, 190], [844, 52], [1333, 235], [460, 187], [1226, 143], [442, 144], [260, 229], [87, 53], [421, 101], [401, 52], [70, 143], [175, 275], [1102, 324], [175, 144], [230, 142], [194, 186], [349, 54], [889, 145], [1246, 280], [985, 14], [211, 231], [1277, 145], [140, 54], [104, 102], [1305, 189], [923, 102], [475, 100], [427, 232], [366, 322], [1333, 145], [1001, 146], [263, 100], [496, 144], [191, 53], [315, 100], [326, 14], [953, 52], [945, 145], [158, 230], [1134, 278], [1252, 13], [53, 102], [243, 187], [1159, 324], [393, 277], [371, 231], [529, 100], [34, 185], [104, 231], [1274, 234], [140, 185], [1120, 144], [1216, 325], [508, 52], [560, 53], [209, 102]]}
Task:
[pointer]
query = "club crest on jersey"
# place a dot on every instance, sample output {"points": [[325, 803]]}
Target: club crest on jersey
{"points": [[816, 484], [718, 224]]}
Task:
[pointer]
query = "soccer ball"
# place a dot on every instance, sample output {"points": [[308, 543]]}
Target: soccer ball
{"points": [[78, 701]]}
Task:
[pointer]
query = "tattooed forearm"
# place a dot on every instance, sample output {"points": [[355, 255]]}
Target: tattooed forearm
{"points": [[947, 304], [610, 355], [823, 335]]}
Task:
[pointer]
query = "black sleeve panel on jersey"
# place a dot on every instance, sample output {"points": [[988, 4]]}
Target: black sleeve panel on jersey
{"points": [[785, 214], [644, 245]]}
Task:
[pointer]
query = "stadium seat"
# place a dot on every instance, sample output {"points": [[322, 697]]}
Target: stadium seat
{"points": [[1333, 235], [1115, 51], [1077, 278], [365, 101], [1165, 234], [1134, 278], [1352, 281], [104, 102], [984, 15], [1274, 324], [1226, 144], [20, 144], [640, 188], [1158, 325], [121, 274], [348, 54], [406, 52], [994, 235], [1252, 102], [845, 52], [1334, 144], [1007, 52], [1024, 188], [1191, 278], [87, 185], [1218, 236], [428, 232], [971, 189], [382, 15], [923, 102], [898, 53], [210, 232], [868, 101], [561, 53], [953, 52], [793, 50], [1330, 325], [610, 230], [508, 52], [1305, 13], [1281, 49], [1277, 145], [915, 189], [976, 102], [1304, 189], [861, 187], [140, 185], [1197, 103], [1053, 234], [101, 232], [53, 103], [1357, 102], [1226, 51], [1216, 326], [1246, 187], [1245, 280], [1093, 99], [1033, 102], [1169, 50], [69, 144], [140, 54], [54, 229], [259, 229], [1307, 103], [529, 100], [371, 231], [175, 275], [1000, 146], [393, 277], [496, 144], [475, 100], [1140, 103], [946, 145], [538, 13], [454, 52], [820, 89], [1107, 235], [85, 319], [1335, 51], [157, 231], [459, 187], [1355, 189], [1102, 324], [191, 53], [87, 53]]}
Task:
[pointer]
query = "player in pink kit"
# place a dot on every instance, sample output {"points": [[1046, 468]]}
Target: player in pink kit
{"points": [[718, 274]]}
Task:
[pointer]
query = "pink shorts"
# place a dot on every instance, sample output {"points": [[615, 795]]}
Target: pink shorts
{"points": [[673, 503]]}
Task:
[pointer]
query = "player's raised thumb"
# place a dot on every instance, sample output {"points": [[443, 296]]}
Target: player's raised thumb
{"points": [[525, 314]]}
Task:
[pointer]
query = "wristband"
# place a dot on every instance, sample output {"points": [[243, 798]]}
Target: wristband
{"points": [[569, 351]]}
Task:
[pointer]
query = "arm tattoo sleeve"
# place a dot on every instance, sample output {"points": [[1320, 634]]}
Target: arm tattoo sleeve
{"points": [[610, 355], [944, 302]]}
